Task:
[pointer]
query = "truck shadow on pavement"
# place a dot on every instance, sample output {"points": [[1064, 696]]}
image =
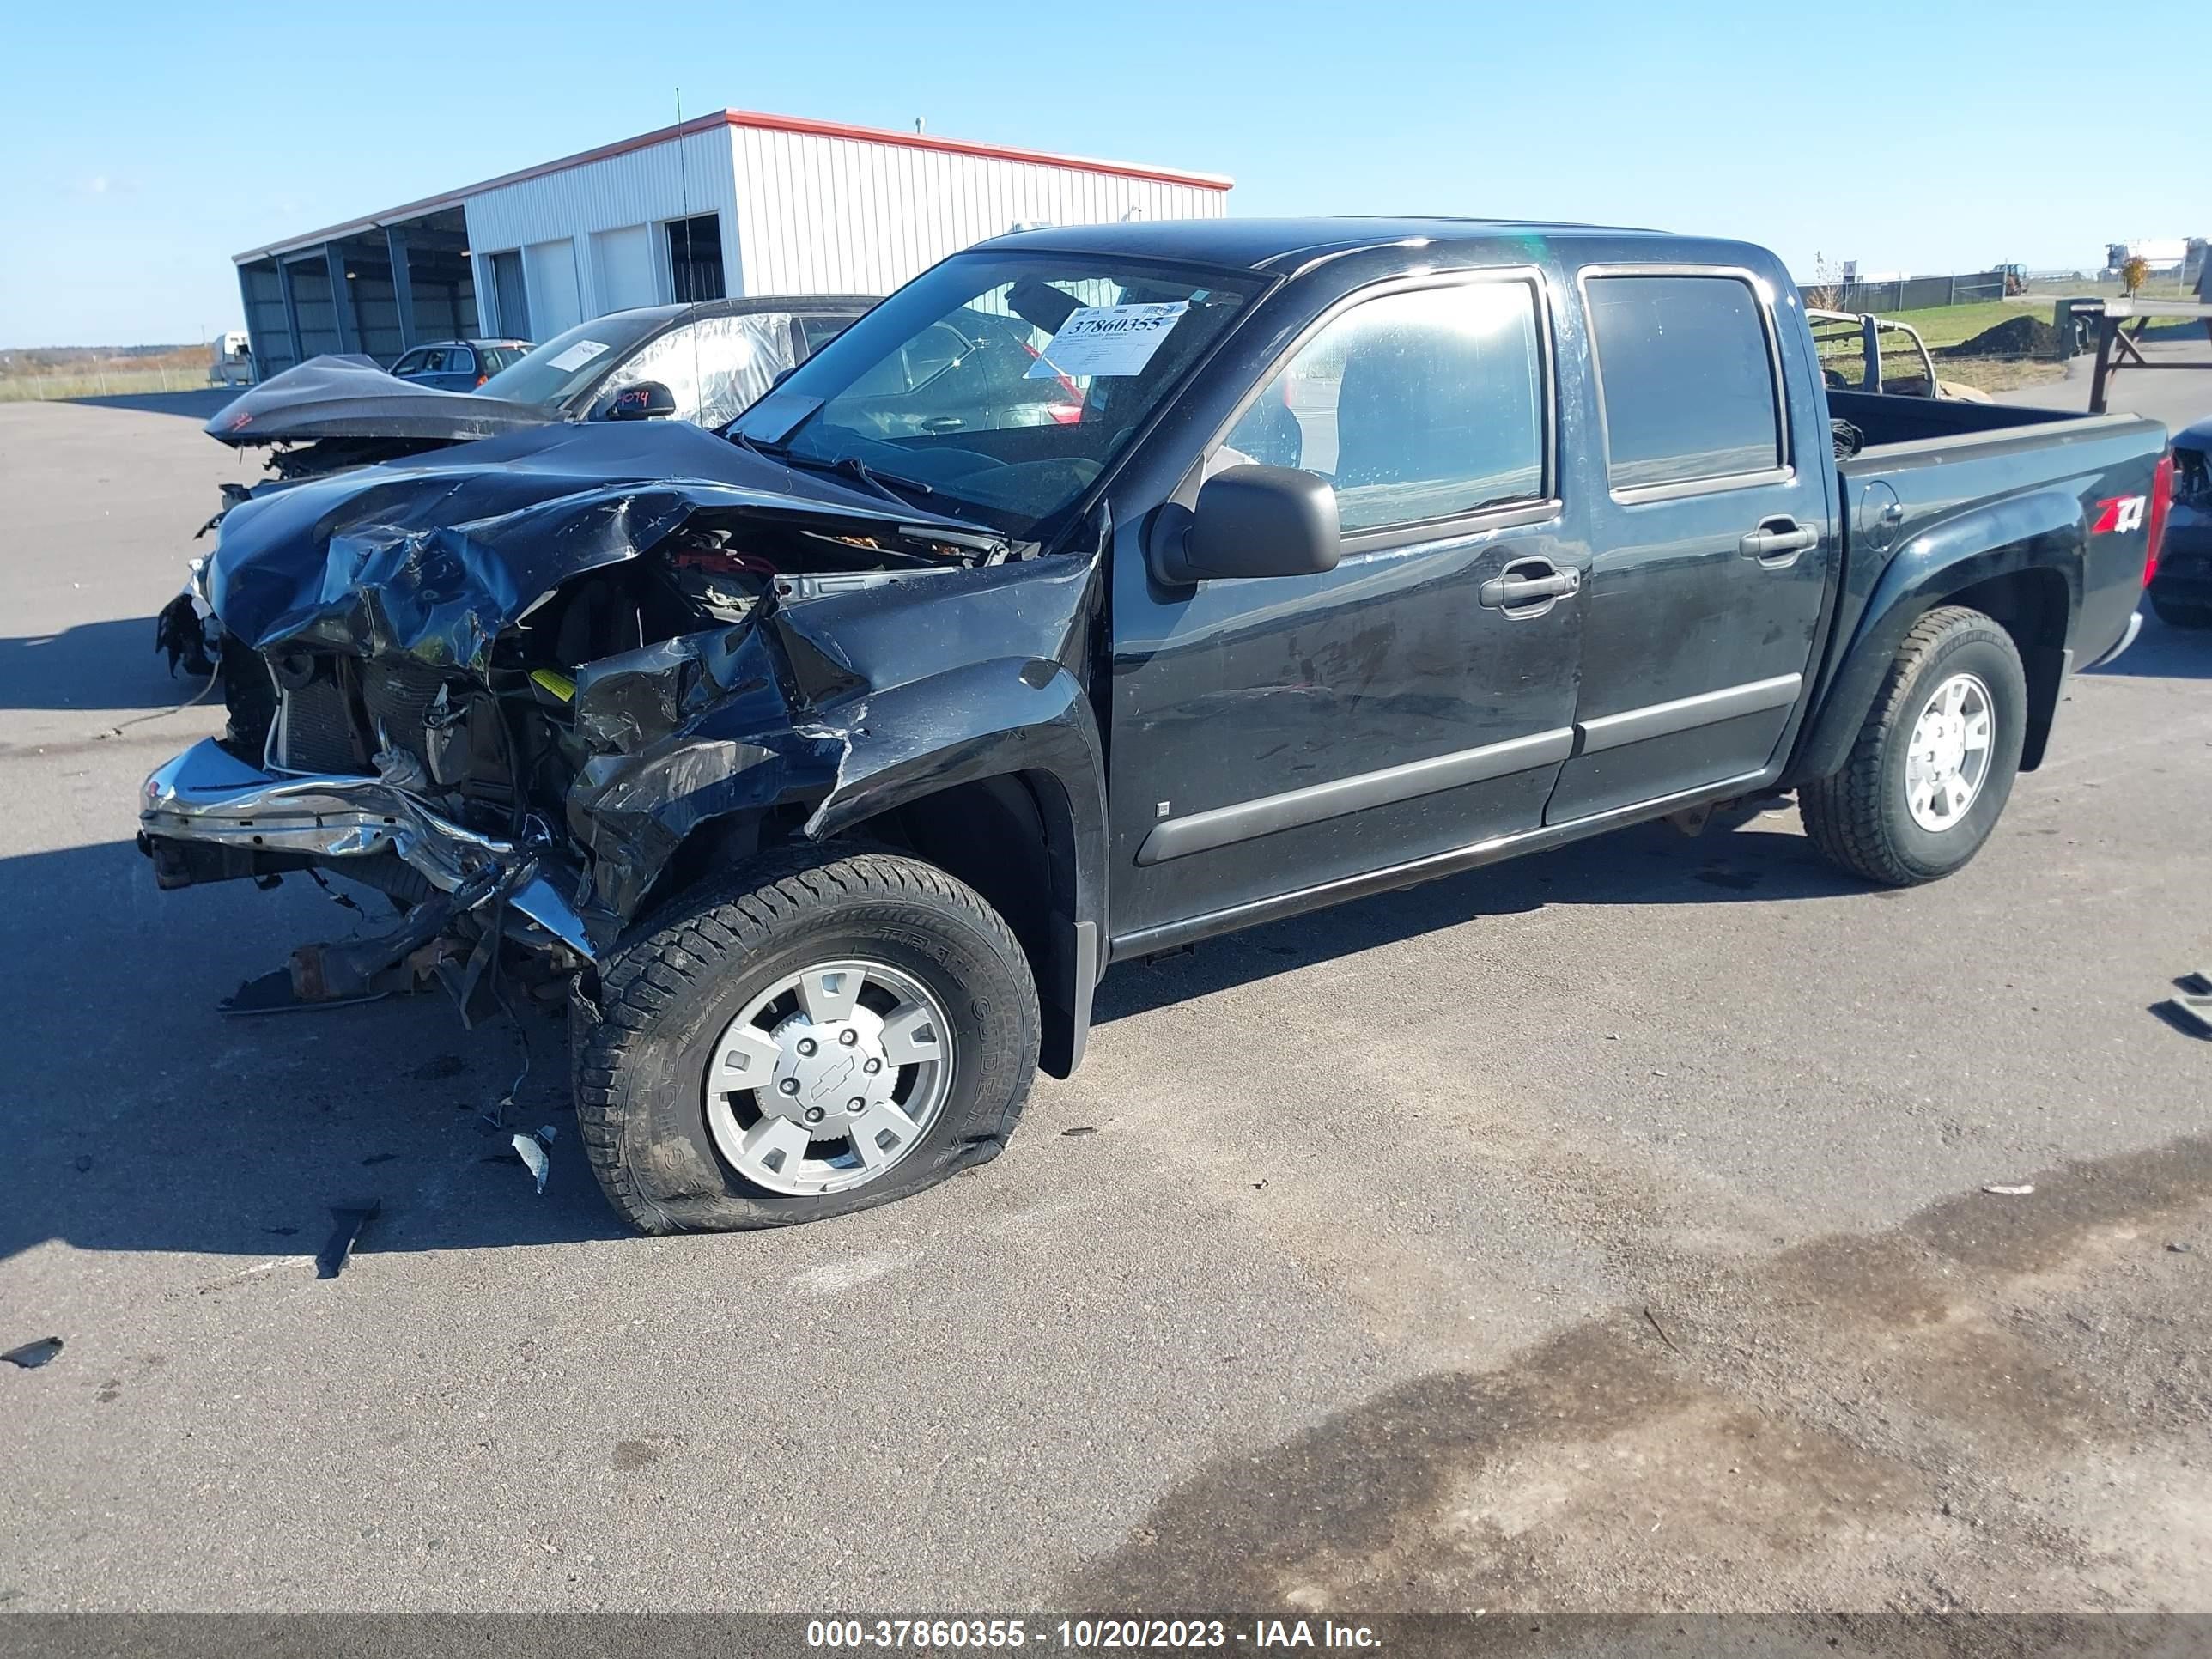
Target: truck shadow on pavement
{"points": [[93, 666], [139, 1118], [1749, 857], [142, 1119]]}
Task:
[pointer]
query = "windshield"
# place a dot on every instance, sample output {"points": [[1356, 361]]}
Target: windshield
{"points": [[1005, 383], [554, 371]]}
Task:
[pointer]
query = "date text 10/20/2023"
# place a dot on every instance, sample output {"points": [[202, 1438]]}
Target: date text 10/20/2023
{"points": [[1087, 1635]]}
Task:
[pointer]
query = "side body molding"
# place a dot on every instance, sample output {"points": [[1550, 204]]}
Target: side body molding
{"points": [[1200, 832]]}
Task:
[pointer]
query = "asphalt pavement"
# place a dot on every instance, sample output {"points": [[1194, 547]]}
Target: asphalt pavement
{"points": [[1608, 1230]]}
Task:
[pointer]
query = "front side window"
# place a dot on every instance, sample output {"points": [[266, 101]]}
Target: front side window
{"points": [[1687, 379], [1417, 405], [413, 364], [1005, 383]]}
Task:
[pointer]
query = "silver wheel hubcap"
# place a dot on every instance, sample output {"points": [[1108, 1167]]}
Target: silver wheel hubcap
{"points": [[828, 1078], [1950, 753]]}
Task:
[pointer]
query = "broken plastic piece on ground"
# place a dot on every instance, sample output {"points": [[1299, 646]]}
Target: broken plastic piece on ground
{"points": [[31, 1355], [2009, 1191], [347, 1220], [533, 1152], [1080, 1130], [272, 994]]}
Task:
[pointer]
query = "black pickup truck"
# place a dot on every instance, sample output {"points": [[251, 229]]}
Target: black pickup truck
{"points": [[834, 759]]}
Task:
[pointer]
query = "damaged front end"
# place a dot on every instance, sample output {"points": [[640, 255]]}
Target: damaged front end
{"points": [[512, 687]]}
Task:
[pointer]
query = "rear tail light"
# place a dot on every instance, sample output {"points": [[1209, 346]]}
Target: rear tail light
{"points": [[481, 379], [2161, 504], [1065, 414]]}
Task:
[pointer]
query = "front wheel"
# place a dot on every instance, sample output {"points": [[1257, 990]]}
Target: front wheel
{"points": [[835, 1030], [1934, 762]]}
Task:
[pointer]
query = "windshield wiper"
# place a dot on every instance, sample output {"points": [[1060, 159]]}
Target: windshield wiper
{"points": [[885, 484]]}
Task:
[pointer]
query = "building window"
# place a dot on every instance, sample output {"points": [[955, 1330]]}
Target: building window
{"points": [[694, 257]]}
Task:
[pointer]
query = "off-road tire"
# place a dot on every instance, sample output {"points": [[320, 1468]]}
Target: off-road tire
{"points": [[1859, 818], [2182, 613], [640, 1046]]}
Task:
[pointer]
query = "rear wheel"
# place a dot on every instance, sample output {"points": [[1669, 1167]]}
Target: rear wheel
{"points": [[2182, 613], [1934, 763], [836, 1030]]}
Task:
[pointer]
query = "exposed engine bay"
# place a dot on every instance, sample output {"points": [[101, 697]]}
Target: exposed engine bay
{"points": [[504, 688]]}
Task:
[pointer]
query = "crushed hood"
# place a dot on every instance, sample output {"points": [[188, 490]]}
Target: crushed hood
{"points": [[352, 397], [435, 556]]}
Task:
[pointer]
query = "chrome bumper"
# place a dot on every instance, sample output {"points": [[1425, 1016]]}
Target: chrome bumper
{"points": [[2135, 627], [206, 795]]}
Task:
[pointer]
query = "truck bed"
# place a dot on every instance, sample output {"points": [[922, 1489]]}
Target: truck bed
{"points": [[1997, 474], [1888, 419]]}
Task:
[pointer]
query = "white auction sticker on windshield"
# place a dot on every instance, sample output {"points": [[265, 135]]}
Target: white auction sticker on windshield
{"points": [[1108, 340], [576, 355]]}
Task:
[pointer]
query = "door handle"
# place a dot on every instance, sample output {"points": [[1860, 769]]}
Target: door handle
{"points": [[1779, 541], [1517, 587]]}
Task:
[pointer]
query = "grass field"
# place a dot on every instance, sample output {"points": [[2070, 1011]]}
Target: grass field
{"points": [[28, 376]]}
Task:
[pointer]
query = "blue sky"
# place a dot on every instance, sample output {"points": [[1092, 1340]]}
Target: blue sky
{"points": [[142, 145]]}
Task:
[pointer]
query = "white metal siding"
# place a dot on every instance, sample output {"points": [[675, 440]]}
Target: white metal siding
{"points": [[822, 215], [640, 187]]}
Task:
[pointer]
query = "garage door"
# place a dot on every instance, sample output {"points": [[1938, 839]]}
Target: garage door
{"points": [[622, 262], [555, 304]]}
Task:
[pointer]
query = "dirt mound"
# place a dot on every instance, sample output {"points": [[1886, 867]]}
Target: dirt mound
{"points": [[2016, 336]]}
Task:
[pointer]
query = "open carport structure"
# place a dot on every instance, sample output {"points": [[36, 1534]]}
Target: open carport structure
{"points": [[374, 287], [727, 204]]}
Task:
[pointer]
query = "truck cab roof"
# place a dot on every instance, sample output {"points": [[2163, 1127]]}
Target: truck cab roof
{"points": [[1277, 245]]}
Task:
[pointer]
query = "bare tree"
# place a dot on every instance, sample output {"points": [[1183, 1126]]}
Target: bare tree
{"points": [[1825, 291]]}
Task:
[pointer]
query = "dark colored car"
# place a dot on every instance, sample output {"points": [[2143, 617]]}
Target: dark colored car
{"points": [[715, 357], [834, 760], [2181, 591], [333, 413], [457, 365]]}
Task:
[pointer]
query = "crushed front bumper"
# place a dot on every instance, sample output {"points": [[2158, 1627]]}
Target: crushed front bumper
{"points": [[208, 798]]}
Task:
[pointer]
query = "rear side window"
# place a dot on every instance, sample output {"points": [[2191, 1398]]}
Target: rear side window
{"points": [[819, 332], [1417, 405], [1687, 377]]}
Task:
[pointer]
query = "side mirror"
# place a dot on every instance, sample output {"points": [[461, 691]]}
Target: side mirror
{"points": [[1249, 521], [648, 400]]}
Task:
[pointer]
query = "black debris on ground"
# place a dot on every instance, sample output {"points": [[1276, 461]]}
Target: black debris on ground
{"points": [[31, 1355], [347, 1219]]}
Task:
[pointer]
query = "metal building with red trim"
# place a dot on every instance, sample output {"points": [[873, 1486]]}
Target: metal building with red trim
{"points": [[734, 203]]}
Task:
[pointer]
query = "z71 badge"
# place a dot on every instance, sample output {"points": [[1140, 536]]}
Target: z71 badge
{"points": [[2119, 513]]}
